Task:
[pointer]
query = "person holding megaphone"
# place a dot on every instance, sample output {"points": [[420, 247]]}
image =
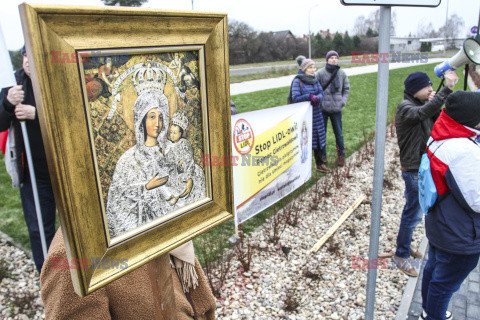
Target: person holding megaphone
{"points": [[414, 122]]}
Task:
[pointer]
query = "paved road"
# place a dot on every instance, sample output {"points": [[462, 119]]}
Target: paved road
{"points": [[256, 85]]}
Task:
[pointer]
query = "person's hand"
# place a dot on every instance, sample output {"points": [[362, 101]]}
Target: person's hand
{"points": [[15, 95], [25, 112], [431, 95], [451, 79], [156, 182], [188, 189], [314, 100]]}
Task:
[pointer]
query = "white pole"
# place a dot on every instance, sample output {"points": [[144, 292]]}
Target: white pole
{"points": [[33, 180]]}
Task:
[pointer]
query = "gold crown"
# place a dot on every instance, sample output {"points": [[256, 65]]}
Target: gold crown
{"points": [[149, 78], [180, 120]]}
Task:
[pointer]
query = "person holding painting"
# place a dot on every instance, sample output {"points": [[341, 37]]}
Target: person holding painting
{"points": [[18, 104]]}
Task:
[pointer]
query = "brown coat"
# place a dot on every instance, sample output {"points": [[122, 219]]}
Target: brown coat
{"points": [[130, 297]]}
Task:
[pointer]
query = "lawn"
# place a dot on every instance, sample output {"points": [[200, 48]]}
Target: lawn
{"points": [[358, 117]]}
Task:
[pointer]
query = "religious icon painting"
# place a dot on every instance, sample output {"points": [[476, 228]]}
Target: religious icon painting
{"points": [[129, 111], [148, 133]]}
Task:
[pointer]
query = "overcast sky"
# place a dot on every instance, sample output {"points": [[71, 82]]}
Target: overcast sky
{"points": [[275, 15]]}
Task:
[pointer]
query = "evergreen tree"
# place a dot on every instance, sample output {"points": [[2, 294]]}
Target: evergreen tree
{"points": [[371, 33], [338, 44], [348, 44], [328, 45], [318, 45], [124, 3], [357, 42], [17, 59]]}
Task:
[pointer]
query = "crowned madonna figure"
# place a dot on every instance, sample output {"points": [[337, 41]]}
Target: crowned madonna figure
{"points": [[139, 192]]}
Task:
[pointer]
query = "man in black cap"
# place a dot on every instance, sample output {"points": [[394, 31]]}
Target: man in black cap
{"points": [[414, 121], [17, 104], [453, 223]]}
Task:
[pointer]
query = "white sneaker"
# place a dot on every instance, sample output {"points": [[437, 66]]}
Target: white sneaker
{"points": [[448, 315]]}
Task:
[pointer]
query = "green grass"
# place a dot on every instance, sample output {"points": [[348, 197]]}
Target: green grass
{"points": [[279, 72], [11, 214], [358, 115]]}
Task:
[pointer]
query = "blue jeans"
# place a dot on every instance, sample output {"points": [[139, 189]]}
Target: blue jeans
{"points": [[336, 119], [411, 215], [47, 206], [442, 277]]}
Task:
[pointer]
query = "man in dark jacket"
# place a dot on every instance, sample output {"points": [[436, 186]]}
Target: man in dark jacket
{"points": [[18, 104], [453, 224], [414, 121]]}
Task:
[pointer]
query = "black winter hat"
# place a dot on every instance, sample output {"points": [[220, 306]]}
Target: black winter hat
{"points": [[23, 50], [416, 81], [464, 107]]}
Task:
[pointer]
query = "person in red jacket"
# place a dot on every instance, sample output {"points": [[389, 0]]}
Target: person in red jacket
{"points": [[453, 224]]}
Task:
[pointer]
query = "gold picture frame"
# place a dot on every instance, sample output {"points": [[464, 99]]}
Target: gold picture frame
{"points": [[101, 76]]}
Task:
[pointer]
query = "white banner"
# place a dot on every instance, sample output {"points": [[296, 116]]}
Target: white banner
{"points": [[7, 78], [272, 156]]}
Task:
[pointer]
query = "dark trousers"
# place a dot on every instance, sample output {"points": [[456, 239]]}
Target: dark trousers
{"points": [[47, 205], [319, 157], [336, 119], [442, 277]]}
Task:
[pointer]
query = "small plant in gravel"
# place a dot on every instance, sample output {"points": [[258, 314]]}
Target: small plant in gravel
{"points": [[244, 251], [333, 247], [337, 178], [223, 264], [4, 272], [351, 230], [291, 303], [276, 226], [21, 303], [292, 212]]}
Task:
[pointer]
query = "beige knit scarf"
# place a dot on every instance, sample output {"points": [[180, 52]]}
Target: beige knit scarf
{"points": [[184, 263]]}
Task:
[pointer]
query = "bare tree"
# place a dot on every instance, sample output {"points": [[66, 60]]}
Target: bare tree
{"points": [[452, 29], [360, 28], [373, 22], [427, 31]]}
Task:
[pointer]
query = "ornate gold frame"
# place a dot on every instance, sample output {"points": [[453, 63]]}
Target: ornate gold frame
{"points": [[61, 110]]}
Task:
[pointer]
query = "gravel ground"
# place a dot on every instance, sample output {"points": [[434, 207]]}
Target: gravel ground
{"points": [[328, 284], [20, 286]]}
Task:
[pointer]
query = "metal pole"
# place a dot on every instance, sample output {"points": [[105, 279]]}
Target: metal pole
{"points": [[34, 188], [380, 134], [446, 23], [309, 32], [478, 30], [309, 36]]}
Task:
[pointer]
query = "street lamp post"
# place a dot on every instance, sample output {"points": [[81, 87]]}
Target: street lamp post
{"points": [[310, 33]]}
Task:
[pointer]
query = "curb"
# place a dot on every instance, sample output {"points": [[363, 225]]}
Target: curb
{"points": [[409, 291]]}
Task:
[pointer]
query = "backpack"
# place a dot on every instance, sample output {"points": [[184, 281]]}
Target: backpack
{"points": [[427, 191], [289, 98]]}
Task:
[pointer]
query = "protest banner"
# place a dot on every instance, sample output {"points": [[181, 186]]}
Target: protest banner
{"points": [[271, 156]]}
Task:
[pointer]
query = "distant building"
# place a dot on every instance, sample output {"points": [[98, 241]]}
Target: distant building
{"points": [[440, 44], [404, 44]]}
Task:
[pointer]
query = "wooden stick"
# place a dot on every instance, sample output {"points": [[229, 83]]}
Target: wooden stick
{"points": [[337, 224]]}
